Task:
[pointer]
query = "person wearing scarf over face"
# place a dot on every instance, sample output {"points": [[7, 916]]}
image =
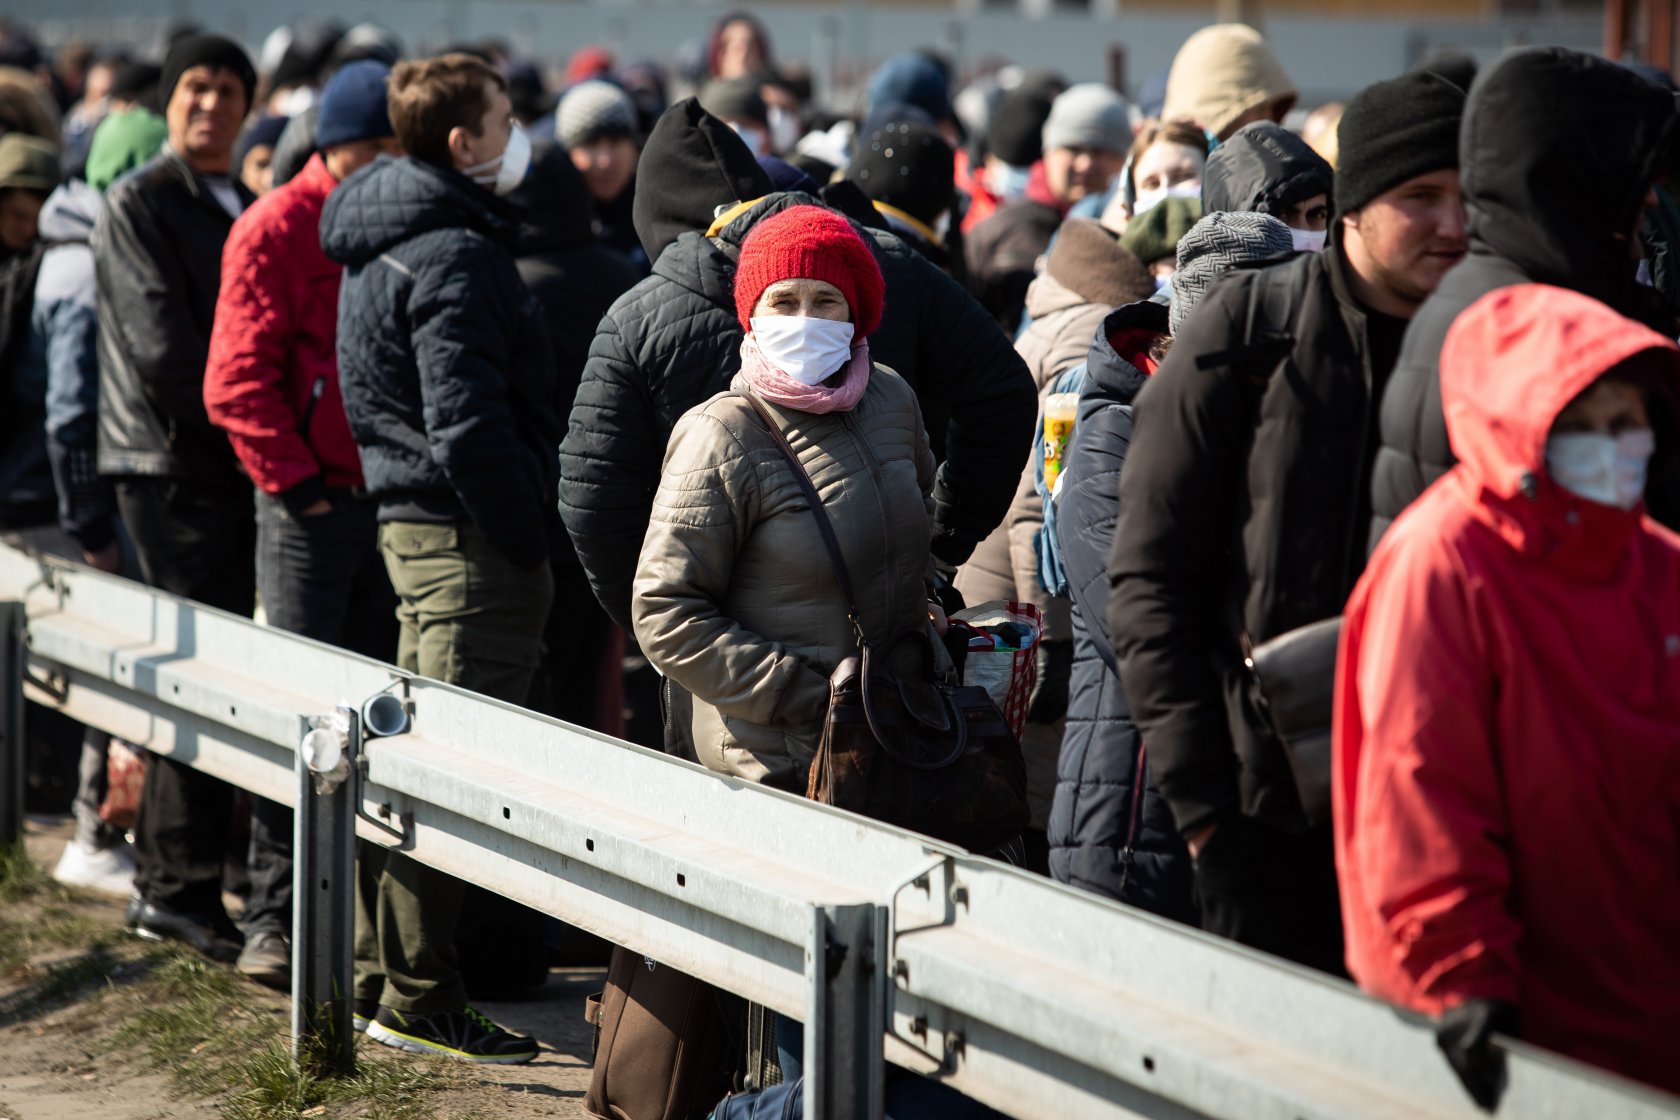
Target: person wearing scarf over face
{"points": [[735, 597]]}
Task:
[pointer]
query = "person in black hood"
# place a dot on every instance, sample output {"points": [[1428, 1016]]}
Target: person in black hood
{"points": [[673, 340], [1267, 169], [448, 381], [1559, 152]]}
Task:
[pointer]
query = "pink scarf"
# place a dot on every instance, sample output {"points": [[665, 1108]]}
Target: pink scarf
{"points": [[778, 388]]}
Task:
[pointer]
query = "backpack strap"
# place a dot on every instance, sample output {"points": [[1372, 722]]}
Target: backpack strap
{"points": [[1267, 334]]}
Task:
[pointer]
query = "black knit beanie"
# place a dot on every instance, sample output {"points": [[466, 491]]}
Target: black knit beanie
{"points": [[206, 50], [1393, 131], [1017, 129], [909, 166]]}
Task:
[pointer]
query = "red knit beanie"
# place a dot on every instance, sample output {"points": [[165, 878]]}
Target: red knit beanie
{"points": [[810, 243]]}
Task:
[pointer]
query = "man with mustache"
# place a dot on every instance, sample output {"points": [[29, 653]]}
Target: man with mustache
{"points": [[1245, 504]]}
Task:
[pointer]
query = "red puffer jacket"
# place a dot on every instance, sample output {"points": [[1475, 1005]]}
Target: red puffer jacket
{"points": [[272, 378], [1507, 728]]}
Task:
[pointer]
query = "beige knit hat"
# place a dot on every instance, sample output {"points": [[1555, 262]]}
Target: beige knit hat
{"points": [[1222, 72]]}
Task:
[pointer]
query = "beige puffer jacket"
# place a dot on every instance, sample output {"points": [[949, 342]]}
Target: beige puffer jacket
{"points": [[735, 597]]}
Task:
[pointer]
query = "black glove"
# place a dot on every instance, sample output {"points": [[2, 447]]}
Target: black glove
{"points": [[1465, 1035], [1050, 692]]}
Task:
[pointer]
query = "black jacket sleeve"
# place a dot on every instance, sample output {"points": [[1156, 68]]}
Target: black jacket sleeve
{"points": [[463, 326], [609, 468], [969, 374], [1169, 610]]}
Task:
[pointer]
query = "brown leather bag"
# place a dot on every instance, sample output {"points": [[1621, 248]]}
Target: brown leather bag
{"points": [[662, 1049], [909, 749]]}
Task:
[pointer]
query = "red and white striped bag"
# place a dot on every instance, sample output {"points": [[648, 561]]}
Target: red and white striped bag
{"points": [[1003, 655]]}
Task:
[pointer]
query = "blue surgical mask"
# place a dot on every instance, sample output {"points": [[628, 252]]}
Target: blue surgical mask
{"points": [[1606, 469], [1008, 181]]}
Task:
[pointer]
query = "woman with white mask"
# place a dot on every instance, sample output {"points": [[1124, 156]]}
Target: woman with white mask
{"points": [[1507, 729], [736, 599], [1166, 162]]}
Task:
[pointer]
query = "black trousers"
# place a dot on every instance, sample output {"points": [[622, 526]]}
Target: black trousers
{"points": [[198, 543], [1273, 891], [322, 577]]}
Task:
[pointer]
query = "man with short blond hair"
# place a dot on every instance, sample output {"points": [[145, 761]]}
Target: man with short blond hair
{"points": [[448, 383]]}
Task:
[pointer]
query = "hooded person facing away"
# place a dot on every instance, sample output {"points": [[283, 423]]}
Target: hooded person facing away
{"points": [[1267, 169], [1507, 807], [673, 341], [1559, 151]]}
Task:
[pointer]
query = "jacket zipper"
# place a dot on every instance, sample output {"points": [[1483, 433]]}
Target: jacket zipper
{"points": [[315, 392], [1128, 854]]}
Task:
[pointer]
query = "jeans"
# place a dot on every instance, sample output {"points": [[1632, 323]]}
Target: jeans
{"points": [[468, 617], [322, 577], [200, 544]]}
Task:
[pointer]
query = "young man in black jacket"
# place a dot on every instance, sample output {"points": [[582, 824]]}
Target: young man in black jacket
{"points": [[157, 249], [448, 382], [1243, 508]]}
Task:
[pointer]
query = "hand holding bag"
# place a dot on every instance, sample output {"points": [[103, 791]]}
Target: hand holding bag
{"points": [[911, 751]]}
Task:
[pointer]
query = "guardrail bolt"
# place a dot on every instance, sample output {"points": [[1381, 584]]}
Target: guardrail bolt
{"points": [[901, 971]]}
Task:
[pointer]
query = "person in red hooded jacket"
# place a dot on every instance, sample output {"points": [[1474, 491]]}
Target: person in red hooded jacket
{"points": [[1507, 720], [271, 383]]}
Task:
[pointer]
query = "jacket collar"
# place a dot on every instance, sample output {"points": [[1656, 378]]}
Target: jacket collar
{"points": [[194, 181], [314, 181]]}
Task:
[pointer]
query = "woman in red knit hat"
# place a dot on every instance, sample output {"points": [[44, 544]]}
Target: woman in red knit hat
{"points": [[736, 599]]}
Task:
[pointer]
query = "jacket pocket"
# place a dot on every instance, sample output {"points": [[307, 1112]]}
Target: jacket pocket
{"points": [[410, 540]]}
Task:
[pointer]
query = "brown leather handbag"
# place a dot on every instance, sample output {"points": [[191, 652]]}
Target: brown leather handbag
{"points": [[909, 749]]}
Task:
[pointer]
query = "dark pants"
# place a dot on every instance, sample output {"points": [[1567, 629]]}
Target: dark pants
{"points": [[321, 577], [1273, 891], [201, 545], [575, 646], [468, 617]]}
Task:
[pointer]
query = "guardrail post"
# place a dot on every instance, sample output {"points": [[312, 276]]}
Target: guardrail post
{"points": [[323, 897], [845, 1013], [13, 658]]}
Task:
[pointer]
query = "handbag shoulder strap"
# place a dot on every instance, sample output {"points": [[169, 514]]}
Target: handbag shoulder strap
{"points": [[824, 525]]}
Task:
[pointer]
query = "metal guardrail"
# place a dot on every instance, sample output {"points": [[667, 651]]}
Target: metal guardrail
{"points": [[1035, 998]]}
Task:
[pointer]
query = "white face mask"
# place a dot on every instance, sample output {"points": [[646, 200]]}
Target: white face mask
{"points": [[504, 173], [1148, 200], [754, 138], [806, 349], [784, 129], [1606, 469], [1308, 240], [1008, 181]]}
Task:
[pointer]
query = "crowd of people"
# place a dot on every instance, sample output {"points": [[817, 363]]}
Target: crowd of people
{"points": [[1360, 599]]}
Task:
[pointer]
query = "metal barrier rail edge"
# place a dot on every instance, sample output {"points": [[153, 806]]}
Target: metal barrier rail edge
{"points": [[1038, 999]]}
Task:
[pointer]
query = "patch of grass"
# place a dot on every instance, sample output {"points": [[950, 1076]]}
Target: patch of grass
{"points": [[20, 876]]}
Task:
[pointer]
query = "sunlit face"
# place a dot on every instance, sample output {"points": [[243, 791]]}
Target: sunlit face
{"points": [[607, 165], [1311, 214], [1166, 164], [813, 299], [1073, 173], [1609, 407], [204, 114], [469, 147], [740, 52], [257, 172], [1403, 241]]}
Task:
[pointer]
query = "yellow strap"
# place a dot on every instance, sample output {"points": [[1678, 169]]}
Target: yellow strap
{"points": [[916, 224], [731, 214]]}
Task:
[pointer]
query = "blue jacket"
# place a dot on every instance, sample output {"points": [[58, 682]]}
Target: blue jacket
{"points": [[63, 349], [443, 356], [1110, 831]]}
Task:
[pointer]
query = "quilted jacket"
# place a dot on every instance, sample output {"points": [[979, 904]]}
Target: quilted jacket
{"points": [[673, 341], [1110, 830], [272, 379], [735, 597], [444, 360]]}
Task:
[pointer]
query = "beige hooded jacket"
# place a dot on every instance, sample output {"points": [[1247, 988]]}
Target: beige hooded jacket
{"points": [[1222, 72]]}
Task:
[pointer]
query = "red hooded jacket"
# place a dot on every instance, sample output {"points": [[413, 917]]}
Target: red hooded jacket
{"points": [[1507, 725], [272, 379]]}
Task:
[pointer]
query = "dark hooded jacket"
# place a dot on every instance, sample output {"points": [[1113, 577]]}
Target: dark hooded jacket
{"points": [[1558, 149], [673, 341], [445, 365], [1266, 169], [1110, 830]]}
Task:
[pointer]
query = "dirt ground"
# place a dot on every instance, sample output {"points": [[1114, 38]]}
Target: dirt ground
{"points": [[62, 1058]]}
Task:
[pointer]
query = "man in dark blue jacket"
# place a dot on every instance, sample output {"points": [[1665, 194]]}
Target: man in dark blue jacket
{"points": [[448, 381]]}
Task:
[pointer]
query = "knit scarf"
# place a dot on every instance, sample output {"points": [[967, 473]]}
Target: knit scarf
{"points": [[778, 388]]}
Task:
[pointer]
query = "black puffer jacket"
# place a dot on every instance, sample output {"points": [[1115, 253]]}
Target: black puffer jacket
{"points": [[1110, 830], [1558, 150], [673, 341], [1241, 510], [447, 370], [1264, 168], [157, 250]]}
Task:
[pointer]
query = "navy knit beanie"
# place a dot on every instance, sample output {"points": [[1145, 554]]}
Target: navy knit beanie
{"points": [[353, 105]]}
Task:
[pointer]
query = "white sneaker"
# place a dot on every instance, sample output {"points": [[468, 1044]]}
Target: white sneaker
{"points": [[107, 870]]}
